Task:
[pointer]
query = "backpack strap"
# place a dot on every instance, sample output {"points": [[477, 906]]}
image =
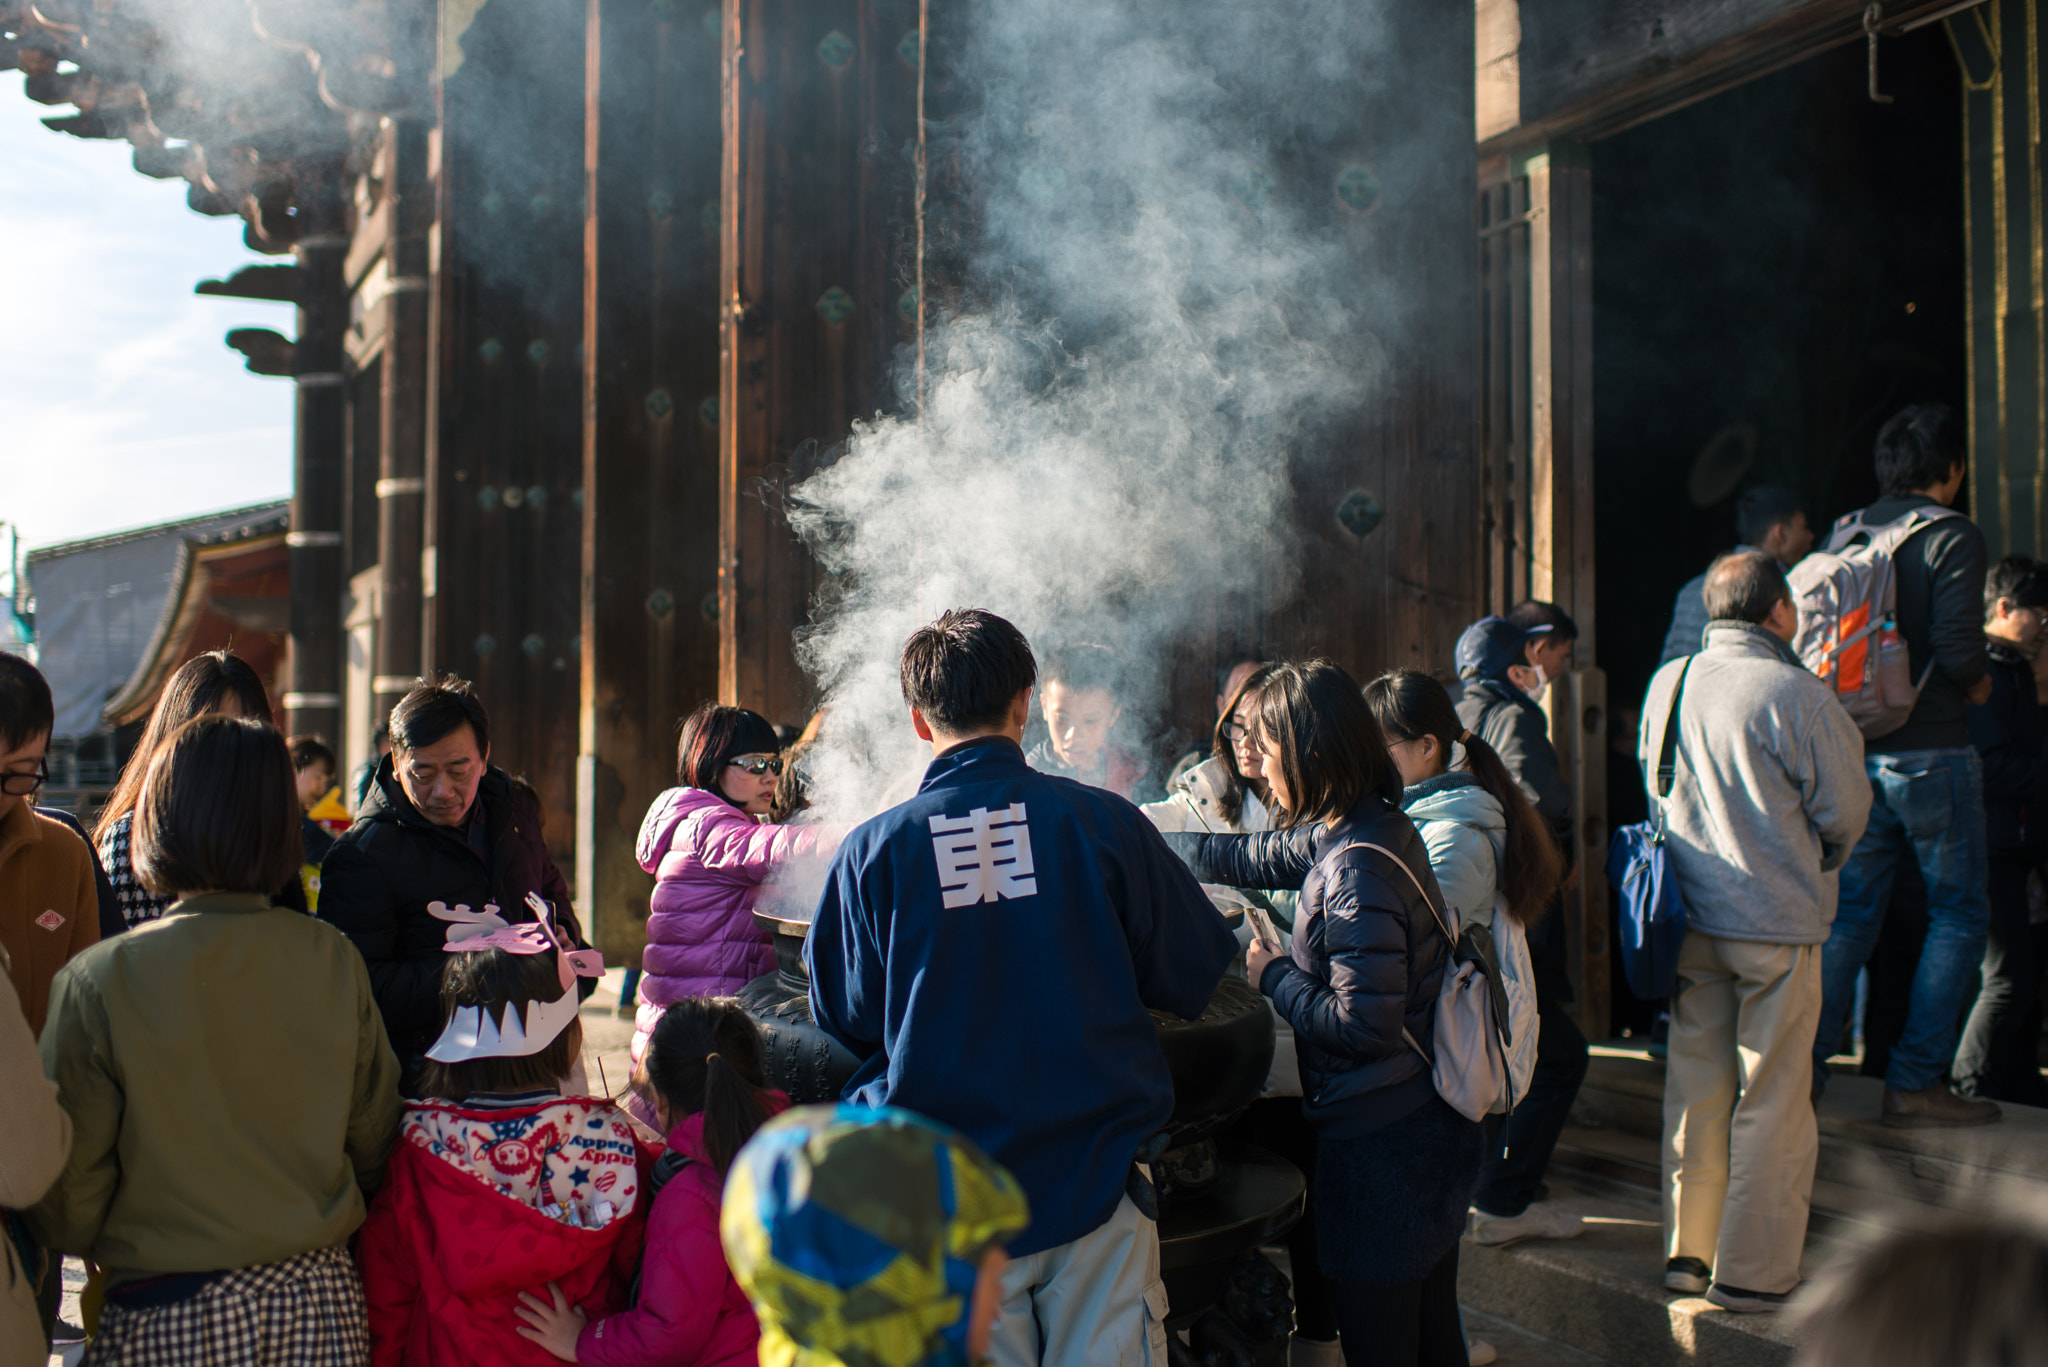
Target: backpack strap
{"points": [[1667, 754], [1441, 923]]}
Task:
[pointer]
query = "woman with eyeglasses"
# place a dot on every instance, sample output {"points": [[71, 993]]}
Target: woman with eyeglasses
{"points": [[711, 849]]}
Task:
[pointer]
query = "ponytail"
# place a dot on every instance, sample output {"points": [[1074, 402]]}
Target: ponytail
{"points": [[1532, 866], [1410, 705], [705, 1055]]}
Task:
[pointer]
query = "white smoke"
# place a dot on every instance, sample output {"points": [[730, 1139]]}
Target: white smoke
{"points": [[1161, 307]]}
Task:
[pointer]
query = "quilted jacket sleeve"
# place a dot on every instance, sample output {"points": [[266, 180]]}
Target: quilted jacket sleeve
{"points": [[746, 852], [1269, 859], [1359, 1012]]}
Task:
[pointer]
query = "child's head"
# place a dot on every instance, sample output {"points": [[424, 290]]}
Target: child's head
{"points": [[821, 1197], [1079, 693], [26, 718], [501, 986], [314, 767], [705, 1055]]}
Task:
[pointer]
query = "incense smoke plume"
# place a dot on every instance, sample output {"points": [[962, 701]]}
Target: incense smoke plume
{"points": [[1162, 305]]}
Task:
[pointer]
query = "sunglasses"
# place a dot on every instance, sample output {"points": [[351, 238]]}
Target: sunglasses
{"points": [[21, 785], [758, 767]]}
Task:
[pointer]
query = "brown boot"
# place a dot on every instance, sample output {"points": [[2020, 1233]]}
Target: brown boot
{"points": [[1935, 1107]]}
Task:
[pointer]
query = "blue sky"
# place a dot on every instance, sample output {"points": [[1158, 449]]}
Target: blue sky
{"points": [[119, 403]]}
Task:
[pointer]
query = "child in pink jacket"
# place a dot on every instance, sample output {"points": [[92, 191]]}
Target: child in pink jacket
{"points": [[702, 1077], [711, 851]]}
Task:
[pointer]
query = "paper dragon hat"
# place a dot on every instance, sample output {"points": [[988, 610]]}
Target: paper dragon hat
{"points": [[475, 1032]]}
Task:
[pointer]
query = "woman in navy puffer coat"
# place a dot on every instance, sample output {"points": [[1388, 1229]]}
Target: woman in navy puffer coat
{"points": [[711, 852], [1395, 1165]]}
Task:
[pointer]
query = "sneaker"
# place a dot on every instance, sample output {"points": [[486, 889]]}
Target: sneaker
{"points": [[1478, 1352], [1540, 1221], [63, 1335], [1935, 1107], [1747, 1302], [1687, 1276], [1303, 1352]]}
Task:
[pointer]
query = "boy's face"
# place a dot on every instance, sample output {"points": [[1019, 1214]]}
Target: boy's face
{"points": [[313, 781], [18, 769], [1078, 720]]}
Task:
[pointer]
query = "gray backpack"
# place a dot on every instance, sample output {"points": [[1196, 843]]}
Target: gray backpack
{"points": [[1847, 595], [1474, 1034]]}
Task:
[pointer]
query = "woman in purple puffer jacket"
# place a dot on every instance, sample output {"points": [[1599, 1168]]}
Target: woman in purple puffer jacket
{"points": [[711, 851]]}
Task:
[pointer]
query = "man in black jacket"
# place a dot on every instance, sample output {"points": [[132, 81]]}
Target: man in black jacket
{"points": [[441, 824], [1506, 667], [1997, 1057], [1927, 783]]}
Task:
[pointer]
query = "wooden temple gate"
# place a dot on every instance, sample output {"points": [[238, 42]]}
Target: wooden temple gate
{"points": [[584, 285]]}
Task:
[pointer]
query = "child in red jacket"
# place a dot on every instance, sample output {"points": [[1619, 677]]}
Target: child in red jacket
{"points": [[702, 1077], [498, 1182]]}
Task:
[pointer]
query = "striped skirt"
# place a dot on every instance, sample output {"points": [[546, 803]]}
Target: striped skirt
{"points": [[306, 1311]]}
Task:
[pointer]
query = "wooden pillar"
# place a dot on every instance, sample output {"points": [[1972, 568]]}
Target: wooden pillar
{"points": [[402, 411], [650, 434], [312, 701], [1535, 249], [818, 287], [504, 466], [1998, 46]]}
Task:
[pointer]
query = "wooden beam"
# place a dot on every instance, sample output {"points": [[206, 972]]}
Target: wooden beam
{"points": [[650, 434], [1586, 69], [312, 702], [817, 267]]}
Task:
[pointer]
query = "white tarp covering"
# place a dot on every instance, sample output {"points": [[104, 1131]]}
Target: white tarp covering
{"points": [[97, 605]]}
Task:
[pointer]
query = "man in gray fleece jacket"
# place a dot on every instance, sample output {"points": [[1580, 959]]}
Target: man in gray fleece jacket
{"points": [[1768, 799]]}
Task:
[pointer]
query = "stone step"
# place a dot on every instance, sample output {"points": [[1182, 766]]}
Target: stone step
{"points": [[1520, 1348], [1624, 1092], [1602, 1293]]}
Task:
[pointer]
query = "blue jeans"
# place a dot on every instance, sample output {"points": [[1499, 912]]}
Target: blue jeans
{"points": [[1927, 805]]}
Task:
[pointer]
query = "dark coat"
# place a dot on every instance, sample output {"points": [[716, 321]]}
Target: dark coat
{"points": [[1368, 958], [1941, 615], [380, 875], [2009, 732]]}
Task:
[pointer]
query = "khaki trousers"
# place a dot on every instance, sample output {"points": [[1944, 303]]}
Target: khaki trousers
{"points": [[1740, 1139]]}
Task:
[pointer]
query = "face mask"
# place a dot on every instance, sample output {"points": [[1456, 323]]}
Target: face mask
{"points": [[1531, 681]]}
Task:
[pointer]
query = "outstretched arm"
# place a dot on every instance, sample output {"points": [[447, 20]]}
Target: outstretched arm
{"points": [[1270, 859]]}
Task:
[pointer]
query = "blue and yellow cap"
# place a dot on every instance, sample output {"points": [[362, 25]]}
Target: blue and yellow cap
{"points": [[857, 1234]]}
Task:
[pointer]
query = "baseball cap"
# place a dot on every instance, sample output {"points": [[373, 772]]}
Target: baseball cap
{"points": [[1491, 644]]}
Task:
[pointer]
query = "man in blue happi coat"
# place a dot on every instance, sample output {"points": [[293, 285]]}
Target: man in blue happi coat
{"points": [[989, 949]]}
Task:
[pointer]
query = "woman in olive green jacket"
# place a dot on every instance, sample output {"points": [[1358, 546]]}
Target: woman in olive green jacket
{"points": [[228, 1078]]}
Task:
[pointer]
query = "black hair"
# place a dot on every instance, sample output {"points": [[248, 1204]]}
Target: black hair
{"points": [[1534, 612], [26, 710], [218, 811], [964, 671], [713, 736], [1410, 705], [705, 1055], [1234, 662], [1332, 755], [202, 685], [1763, 507], [1235, 784], [1917, 448], [1743, 586], [499, 982], [307, 751], [1083, 668], [2018, 577], [429, 714]]}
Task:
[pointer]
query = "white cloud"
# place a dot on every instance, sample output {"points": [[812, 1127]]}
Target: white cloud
{"points": [[119, 403]]}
